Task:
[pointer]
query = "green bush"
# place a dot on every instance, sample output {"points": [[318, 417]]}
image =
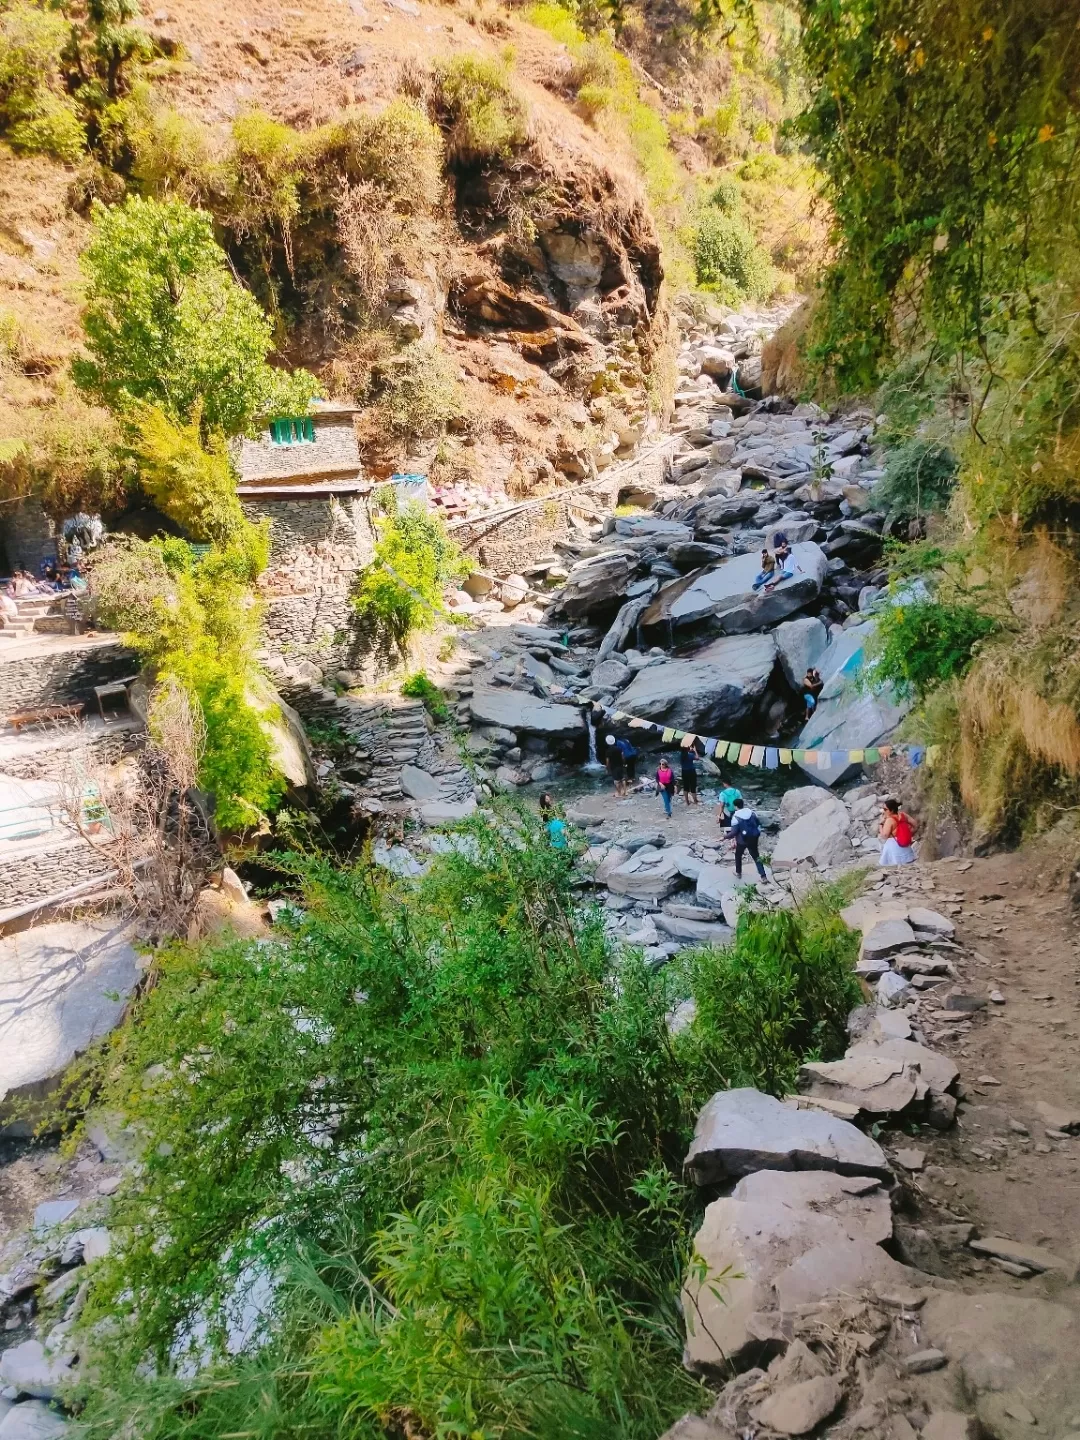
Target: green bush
{"points": [[419, 686], [726, 196], [920, 644], [778, 995], [484, 115], [728, 259], [35, 112], [401, 591], [919, 479], [447, 1119]]}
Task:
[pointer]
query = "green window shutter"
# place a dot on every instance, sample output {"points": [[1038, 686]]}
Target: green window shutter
{"points": [[309, 429], [274, 433]]}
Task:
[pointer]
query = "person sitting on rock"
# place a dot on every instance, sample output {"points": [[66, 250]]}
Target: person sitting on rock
{"points": [[898, 831], [785, 566], [768, 566], [812, 687]]}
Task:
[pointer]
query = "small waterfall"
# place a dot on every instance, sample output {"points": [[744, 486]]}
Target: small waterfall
{"points": [[593, 766]]}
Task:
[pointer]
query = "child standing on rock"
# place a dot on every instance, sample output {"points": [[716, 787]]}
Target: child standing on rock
{"points": [[665, 784]]}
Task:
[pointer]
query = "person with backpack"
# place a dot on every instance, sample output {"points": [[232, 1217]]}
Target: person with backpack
{"points": [[897, 830], [629, 755], [746, 827], [688, 762], [665, 784]]}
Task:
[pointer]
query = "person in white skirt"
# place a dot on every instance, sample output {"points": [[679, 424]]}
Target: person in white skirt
{"points": [[897, 831]]}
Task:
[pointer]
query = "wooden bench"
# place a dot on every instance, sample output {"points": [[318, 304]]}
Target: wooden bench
{"points": [[43, 713]]}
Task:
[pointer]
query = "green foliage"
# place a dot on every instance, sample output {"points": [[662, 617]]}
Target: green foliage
{"points": [[443, 1121], [35, 112], [728, 259], [419, 686], [196, 621], [416, 393], [191, 483], [166, 322], [779, 994], [918, 480], [401, 591], [481, 109], [726, 196], [920, 644]]}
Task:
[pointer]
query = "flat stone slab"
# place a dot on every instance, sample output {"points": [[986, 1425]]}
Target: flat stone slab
{"points": [[443, 812], [650, 874], [725, 595], [740, 1131], [798, 1409], [885, 938], [939, 1071], [31, 1370], [62, 986], [525, 714], [32, 1420], [419, 785], [878, 1084], [704, 931], [1033, 1256]]}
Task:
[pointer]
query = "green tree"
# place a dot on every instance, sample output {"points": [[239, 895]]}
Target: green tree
{"points": [[401, 590], [36, 113], [167, 323]]}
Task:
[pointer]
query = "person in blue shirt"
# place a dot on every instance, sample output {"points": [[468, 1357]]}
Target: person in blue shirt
{"points": [[729, 800], [553, 823]]}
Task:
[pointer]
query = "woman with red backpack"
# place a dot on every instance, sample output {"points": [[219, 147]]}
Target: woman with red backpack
{"points": [[897, 830]]}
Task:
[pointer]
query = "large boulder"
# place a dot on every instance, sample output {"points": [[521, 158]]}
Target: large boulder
{"points": [[650, 874], [812, 836], [800, 643], [290, 749], [62, 986], [768, 1238], [712, 690], [847, 718], [527, 715], [740, 1131], [877, 1084], [596, 584], [725, 598]]}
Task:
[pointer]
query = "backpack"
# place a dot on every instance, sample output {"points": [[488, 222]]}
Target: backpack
{"points": [[750, 828], [903, 835]]}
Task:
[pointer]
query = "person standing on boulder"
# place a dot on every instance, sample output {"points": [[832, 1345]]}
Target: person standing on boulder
{"points": [[746, 827], [812, 687], [688, 761], [665, 784], [616, 765], [898, 831]]}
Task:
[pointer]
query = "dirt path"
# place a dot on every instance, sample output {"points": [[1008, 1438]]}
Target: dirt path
{"points": [[1013, 914]]}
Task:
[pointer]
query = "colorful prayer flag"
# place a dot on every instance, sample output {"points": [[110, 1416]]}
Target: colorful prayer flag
{"points": [[744, 754], [825, 759], [856, 757], [772, 758], [801, 757], [809, 757], [786, 757], [668, 736], [688, 740], [710, 747], [757, 754], [734, 750], [872, 756]]}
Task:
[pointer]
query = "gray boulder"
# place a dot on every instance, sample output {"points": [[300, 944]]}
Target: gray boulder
{"points": [[877, 1084], [740, 1131], [798, 1409], [443, 812], [527, 715], [800, 801], [813, 836], [799, 644], [32, 1370], [703, 931], [596, 583], [649, 874], [32, 1420], [668, 532], [715, 884], [724, 596], [749, 1242], [715, 688], [847, 719], [62, 986], [419, 785]]}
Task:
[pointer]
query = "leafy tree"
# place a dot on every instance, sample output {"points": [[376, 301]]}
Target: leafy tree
{"points": [[918, 480], [919, 644], [728, 258], [36, 113], [191, 483], [401, 590], [167, 323]]}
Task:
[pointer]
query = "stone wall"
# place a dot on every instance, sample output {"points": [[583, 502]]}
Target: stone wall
{"points": [[334, 451], [89, 750], [61, 676], [317, 545], [508, 545], [41, 873], [28, 537]]}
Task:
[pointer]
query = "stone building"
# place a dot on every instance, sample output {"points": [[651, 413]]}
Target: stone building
{"points": [[304, 476]]}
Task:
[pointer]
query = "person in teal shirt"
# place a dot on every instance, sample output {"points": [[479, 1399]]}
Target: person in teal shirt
{"points": [[555, 826], [729, 800]]}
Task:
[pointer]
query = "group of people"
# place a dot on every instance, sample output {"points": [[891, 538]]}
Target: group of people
{"points": [[776, 564], [53, 578]]}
